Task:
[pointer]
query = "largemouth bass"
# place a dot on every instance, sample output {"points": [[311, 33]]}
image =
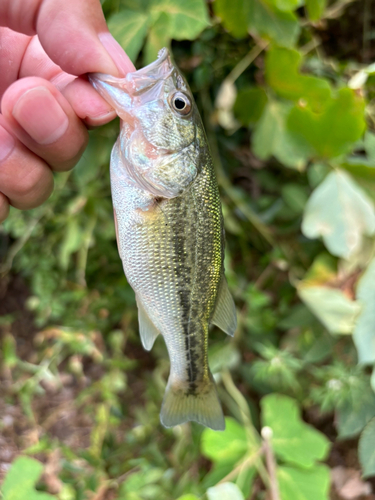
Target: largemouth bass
{"points": [[169, 228]]}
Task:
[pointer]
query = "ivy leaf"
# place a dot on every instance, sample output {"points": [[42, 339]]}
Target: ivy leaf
{"points": [[249, 105], [20, 480], [187, 17], [340, 212], [225, 491], [163, 19], [271, 137], [226, 449], [354, 414], [244, 480], [286, 5], [366, 449], [315, 91], [129, 27], [293, 440], [272, 20], [369, 144], [315, 8], [364, 332], [294, 196], [362, 169], [331, 306], [335, 130], [234, 15], [297, 484], [158, 37], [273, 24], [227, 446]]}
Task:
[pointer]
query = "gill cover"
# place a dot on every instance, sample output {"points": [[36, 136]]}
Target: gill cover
{"points": [[159, 144]]}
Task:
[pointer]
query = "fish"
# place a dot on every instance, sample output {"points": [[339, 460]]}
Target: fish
{"points": [[170, 232]]}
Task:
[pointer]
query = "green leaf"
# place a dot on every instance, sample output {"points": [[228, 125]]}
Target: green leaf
{"points": [[96, 154], [225, 491], [293, 440], [229, 445], [234, 15], [364, 332], [158, 37], [361, 168], [331, 306], [20, 480], [271, 137], [249, 105], [71, 242], [189, 496], [188, 18], [297, 484], [286, 5], [164, 19], [129, 27], [340, 212], [366, 449], [273, 24], [223, 356], [295, 196], [369, 144], [335, 130], [139, 481], [293, 85], [354, 414], [315, 8]]}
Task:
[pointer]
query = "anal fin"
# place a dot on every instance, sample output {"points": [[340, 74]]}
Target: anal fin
{"points": [[225, 316], [147, 329]]}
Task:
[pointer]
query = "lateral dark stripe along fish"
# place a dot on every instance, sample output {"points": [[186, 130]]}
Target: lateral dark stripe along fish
{"points": [[170, 230]]}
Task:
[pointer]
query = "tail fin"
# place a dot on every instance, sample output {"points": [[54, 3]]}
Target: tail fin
{"points": [[203, 406]]}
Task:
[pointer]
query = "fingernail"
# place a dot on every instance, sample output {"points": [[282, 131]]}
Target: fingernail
{"points": [[101, 119], [117, 53], [7, 144], [41, 116]]}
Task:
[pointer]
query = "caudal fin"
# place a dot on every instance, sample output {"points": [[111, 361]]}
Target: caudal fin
{"points": [[200, 405]]}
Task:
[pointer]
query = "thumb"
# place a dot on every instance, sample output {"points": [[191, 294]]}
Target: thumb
{"points": [[73, 33]]}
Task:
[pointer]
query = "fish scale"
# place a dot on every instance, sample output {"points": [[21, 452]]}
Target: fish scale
{"points": [[170, 232]]}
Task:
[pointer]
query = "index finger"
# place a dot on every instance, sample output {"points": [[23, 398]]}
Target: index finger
{"points": [[73, 33]]}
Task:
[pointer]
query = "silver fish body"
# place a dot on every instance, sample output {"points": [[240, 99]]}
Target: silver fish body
{"points": [[169, 229]]}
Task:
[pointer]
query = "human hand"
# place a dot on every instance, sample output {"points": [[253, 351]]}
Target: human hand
{"points": [[44, 109]]}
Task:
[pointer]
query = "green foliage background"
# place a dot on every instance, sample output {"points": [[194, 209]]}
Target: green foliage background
{"points": [[292, 135]]}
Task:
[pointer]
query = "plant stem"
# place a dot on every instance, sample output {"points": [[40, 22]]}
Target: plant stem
{"points": [[246, 61], [248, 462], [271, 466]]}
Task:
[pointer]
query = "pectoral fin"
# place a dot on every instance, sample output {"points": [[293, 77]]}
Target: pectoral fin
{"points": [[225, 316], [147, 329]]}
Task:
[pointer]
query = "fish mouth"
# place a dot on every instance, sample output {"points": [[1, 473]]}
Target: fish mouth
{"points": [[136, 82]]}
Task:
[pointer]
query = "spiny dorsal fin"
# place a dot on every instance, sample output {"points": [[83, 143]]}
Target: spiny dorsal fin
{"points": [[147, 329], [225, 316]]}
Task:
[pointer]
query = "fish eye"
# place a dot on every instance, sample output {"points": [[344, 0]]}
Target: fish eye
{"points": [[180, 103]]}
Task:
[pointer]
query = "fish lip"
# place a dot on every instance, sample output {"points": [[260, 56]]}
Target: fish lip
{"points": [[163, 59], [163, 56]]}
